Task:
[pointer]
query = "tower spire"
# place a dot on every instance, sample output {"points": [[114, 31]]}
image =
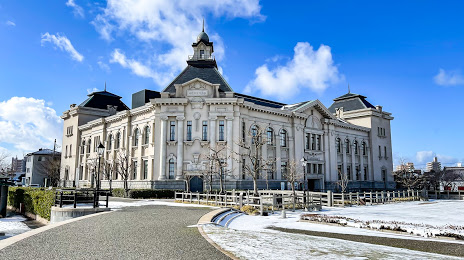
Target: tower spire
{"points": [[105, 85], [203, 30], [349, 88]]}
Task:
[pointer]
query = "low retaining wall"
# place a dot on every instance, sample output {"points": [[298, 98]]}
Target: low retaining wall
{"points": [[29, 215], [61, 214]]}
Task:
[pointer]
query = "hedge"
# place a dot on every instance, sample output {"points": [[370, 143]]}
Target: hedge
{"points": [[37, 201], [145, 194]]}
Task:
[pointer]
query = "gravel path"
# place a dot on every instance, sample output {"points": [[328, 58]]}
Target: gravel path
{"points": [[148, 232], [444, 248]]}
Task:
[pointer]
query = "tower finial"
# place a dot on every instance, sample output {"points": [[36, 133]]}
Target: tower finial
{"points": [[349, 88], [105, 85], [203, 30]]}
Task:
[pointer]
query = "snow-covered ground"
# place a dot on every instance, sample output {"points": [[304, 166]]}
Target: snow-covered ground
{"points": [[12, 226], [115, 205], [247, 234]]}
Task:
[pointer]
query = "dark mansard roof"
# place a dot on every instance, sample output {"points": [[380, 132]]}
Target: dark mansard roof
{"points": [[101, 100], [349, 102]]}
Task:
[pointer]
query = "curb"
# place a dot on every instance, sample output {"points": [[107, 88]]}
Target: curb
{"points": [[9, 241], [206, 219]]}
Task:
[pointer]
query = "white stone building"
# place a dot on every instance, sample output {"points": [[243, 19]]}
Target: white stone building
{"points": [[167, 133]]}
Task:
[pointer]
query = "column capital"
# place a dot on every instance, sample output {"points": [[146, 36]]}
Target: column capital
{"points": [[229, 118], [164, 118], [213, 118], [180, 118]]}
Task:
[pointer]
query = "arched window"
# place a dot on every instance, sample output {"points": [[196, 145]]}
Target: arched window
{"points": [[110, 141], [254, 133], [364, 148], [171, 169], [147, 135], [339, 145], [89, 145], [136, 137], [347, 146], [270, 136], [283, 138], [118, 140], [83, 147], [355, 147]]}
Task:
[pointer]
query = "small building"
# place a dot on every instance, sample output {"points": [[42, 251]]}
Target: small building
{"points": [[38, 166]]}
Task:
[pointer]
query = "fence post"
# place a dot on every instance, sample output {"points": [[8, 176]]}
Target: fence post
{"points": [[370, 198], [61, 199], [388, 196], [351, 198], [273, 202], [261, 207], [343, 199], [75, 199], [382, 197], [216, 199], [357, 198], [447, 191], [107, 200], [329, 198], [198, 197], [240, 200]]}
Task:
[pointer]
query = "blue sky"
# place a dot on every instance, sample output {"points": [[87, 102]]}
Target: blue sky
{"points": [[407, 56]]}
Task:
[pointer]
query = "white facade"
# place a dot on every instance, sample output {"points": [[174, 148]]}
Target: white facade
{"points": [[169, 136]]}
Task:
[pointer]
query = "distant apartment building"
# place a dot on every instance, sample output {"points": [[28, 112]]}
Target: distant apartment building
{"points": [[36, 166], [408, 167], [17, 164], [435, 165]]}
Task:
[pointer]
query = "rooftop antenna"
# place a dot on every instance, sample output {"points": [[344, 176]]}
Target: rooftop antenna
{"points": [[203, 30], [349, 88]]}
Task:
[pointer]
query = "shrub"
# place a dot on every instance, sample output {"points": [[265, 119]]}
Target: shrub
{"points": [[118, 192], [36, 200], [248, 209]]}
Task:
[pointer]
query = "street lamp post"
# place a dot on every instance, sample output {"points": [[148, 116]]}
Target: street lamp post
{"points": [[304, 164], [100, 150]]}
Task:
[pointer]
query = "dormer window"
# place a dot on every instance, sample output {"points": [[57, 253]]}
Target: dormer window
{"points": [[202, 54]]}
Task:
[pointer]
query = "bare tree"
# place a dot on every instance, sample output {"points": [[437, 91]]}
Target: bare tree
{"points": [[51, 166], [123, 167], [207, 174], [218, 164], [343, 181], [3, 162], [294, 174], [92, 165], [251, 152], [448, 178], [406, 176], [109, 170]]}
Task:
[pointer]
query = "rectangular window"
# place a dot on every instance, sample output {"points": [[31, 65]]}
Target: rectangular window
{"points": [[134, 172], [385, 152], [66, 152], [202, 54], [384, 175], [204, 135], [314, 168], [348, 169], [283, 169], [313, 142], [380, 151], [189, 130], [270, 136], [171, 169], [243, 132], [172, 131], [318, 142], [221, 130], [339, 172], [145, 169], [365, 173], [70, 150], [319, 171], [308, 141], [357, 173]]}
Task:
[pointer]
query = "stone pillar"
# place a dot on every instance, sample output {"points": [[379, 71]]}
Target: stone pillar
{"points": [[162, 149], [353, 164], [180, 146], [370, 169], [212, 130], [278, 156], [361, 165], [230, 142], [345, 165]]}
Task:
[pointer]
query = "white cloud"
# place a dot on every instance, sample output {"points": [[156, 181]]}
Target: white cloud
{"points": [[309, 68], [77, 10], [10, 23], [424, 156], [63, 43], [104, 66], [91, 90], [138, 68], [28, 124], [172, 25], [449, 78]]}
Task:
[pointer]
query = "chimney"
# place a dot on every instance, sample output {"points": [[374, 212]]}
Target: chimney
{"points": [[379, 108]]}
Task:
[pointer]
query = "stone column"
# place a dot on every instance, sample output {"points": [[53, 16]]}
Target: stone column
{"points": [[230, 143], [180, 146], [370, 169], [278, 155], [212, 130], [162, 148], [361, 164], [345, 165], [353, 163]]}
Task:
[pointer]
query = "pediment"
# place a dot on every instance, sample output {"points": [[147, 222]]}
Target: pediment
{"points": [[197, 88], [317, 105]]}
